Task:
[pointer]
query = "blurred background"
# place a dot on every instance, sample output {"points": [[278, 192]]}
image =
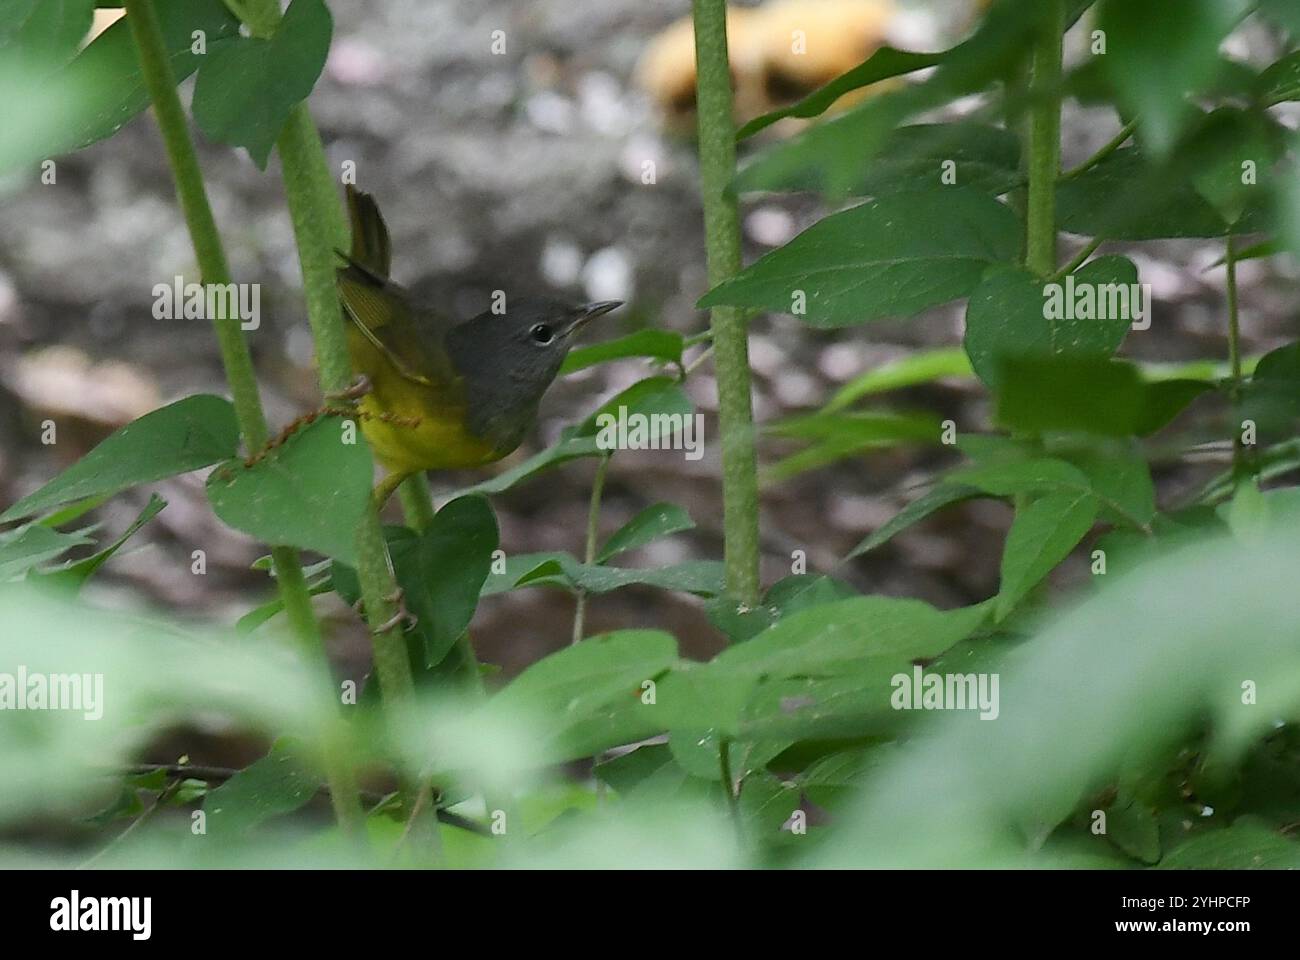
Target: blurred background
{"points": [[523, 171]]}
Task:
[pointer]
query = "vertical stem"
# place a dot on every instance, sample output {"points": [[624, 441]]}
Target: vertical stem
{"points": [[1234, 359], [417, 502], [160, 82], [1045, 141], [717, 148], [593, 532]]}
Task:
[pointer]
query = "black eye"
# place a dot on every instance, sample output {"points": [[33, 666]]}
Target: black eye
{"points": [[542, 334]]}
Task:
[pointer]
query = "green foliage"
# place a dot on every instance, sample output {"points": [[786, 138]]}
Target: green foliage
{"points": [[1131, 704], [246, 89]]}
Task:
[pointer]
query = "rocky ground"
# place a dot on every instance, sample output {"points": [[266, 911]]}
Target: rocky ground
{"points": [[520, 172]]}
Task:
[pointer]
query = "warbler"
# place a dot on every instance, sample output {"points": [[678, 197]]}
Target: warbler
{"points": [[435, 393]]}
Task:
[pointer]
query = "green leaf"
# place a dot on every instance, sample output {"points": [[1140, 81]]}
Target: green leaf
{"points": [[572, 448], [1125, 198], [891, 257], [921, 367], [1041, 536], [1085, 314], [34, 545], [443, 579], [932, 501], [861, 642], [1106, 398], [76, 574], [41, 37], [787, 596], [1134, 829], [629, 770], [884, 64], [1019, 477], [566, 690], [1233, 153], [1155, 88], [655, 521], [835, 436], [1281, 81], [1282, 12], [102, 88], [309, 492], [1119, 476], [246, 89], [702, 577], [653, 396], [664, 345], [1249, 844], [831, 156], [183, 436], [982, 157], [279, 783]]}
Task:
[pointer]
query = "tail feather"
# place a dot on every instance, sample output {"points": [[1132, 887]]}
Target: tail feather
{"points": [[371, 249]]}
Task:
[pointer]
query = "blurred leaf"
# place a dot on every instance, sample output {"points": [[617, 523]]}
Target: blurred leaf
{"points": [[627, 771], [1246, 845], [34, 545], [984, 158], [891, 257], [183, 436], [1234, 152], [665, 345], [655, 521], [1133, 828], [1108, 398], [1082, 700], [830, 156], [1119, 476], [246, 89], [1009, 316], [309, 492], [1125, 198], [42, 36], [1022, 477], [279, 783], [1282, 12], [835, 436], [1281, 81], [787, 596], [1155, 88], [102, 88], [72, 511], [1042, 534], [922, 366], [563, 690], [883, 64], [704, 577], [76, 574], [930, 502]]}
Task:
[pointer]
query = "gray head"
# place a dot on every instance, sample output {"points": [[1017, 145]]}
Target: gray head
{"points": [[508, 360]]}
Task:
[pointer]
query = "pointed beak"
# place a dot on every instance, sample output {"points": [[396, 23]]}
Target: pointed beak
{"points": [[589, 312]]}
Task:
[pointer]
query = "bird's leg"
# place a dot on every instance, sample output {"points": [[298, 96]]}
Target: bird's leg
{"points": [[384, 489]]}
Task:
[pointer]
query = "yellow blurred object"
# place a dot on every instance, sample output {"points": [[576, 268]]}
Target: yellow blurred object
{"points": [[784, 50], [779, 53]]}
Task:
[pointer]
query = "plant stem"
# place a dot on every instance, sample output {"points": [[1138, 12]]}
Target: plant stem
{"points": [[1234, 359], [1045, 141], [589, 555], [1080, 258], [319, 229], [160, 82], [1120, 139], [717, 146], [417, 502]]}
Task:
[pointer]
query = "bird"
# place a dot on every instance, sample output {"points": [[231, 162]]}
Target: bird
{"points": [[434, 393]]}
